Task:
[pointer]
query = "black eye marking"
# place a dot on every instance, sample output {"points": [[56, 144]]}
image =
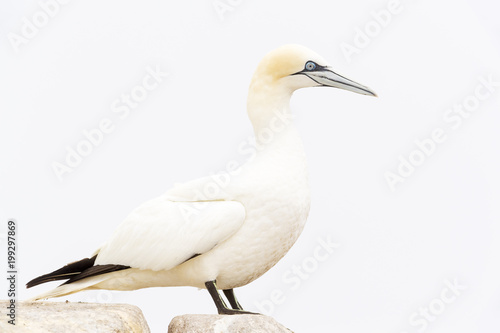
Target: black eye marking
{"points": [[311, 66]]}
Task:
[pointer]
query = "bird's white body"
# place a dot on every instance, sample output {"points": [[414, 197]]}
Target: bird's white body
{"points": [[257, 230], [231, 233]]}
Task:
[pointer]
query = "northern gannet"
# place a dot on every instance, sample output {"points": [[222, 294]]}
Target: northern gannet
{"points": [[225, 238]]}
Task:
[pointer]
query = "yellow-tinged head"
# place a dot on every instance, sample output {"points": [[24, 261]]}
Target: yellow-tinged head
{"points": [[280, 73], [291, 67]]}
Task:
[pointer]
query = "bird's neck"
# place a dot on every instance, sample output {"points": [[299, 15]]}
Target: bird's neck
{"points": [[268, 108]]}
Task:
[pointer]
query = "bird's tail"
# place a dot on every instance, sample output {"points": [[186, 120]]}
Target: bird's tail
{"points": [[80, 275], [68, 289], [67, 272]]}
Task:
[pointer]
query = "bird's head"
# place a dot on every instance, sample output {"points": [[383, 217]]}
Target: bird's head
{"points": [[280, 73], [291, 67]]}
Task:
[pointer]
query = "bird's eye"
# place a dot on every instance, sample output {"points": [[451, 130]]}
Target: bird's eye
{"points": [[310, 66]]}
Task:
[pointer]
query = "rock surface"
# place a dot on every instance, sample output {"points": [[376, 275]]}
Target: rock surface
{"points": [[57, 317], [193, 323]]}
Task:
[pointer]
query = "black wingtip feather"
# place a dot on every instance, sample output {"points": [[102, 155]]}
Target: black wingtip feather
{"points": [[65, 272], [76, 271], [96, 270]]}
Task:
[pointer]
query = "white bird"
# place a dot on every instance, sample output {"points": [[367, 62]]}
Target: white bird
{"points": [[227, 236]]}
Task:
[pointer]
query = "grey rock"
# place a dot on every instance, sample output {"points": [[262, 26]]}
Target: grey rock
{"points": [[193, 323], [58, 317]]}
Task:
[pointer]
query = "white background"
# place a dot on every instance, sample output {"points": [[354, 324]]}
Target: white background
{"points": [[397, 248]]}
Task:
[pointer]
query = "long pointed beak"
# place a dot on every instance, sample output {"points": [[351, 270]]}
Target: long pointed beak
{"points": [[328, 78]]}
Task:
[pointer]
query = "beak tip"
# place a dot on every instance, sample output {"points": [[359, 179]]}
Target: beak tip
{"points": [[370, 92]]}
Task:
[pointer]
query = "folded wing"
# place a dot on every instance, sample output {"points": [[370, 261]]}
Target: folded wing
{"points": [[161, 234]]}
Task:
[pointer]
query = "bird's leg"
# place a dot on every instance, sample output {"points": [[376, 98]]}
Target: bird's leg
{"points": [[232, 299], [219, 302]]}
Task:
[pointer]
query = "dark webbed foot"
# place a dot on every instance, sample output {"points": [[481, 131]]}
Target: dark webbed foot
{"points": [[221, 305], [226, 311]]}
